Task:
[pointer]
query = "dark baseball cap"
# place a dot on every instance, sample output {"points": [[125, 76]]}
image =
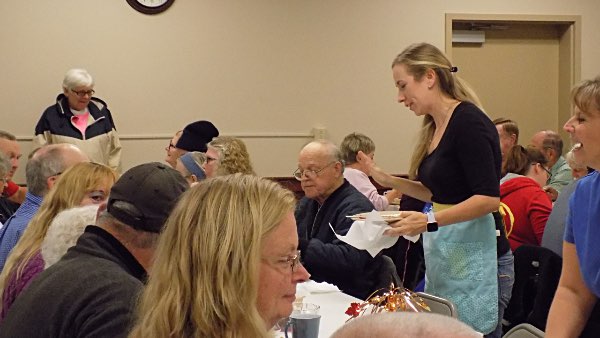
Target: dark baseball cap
{"points": [[144, 196]]}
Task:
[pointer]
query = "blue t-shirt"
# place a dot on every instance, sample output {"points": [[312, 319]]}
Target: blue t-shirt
{"points": [[583, 229]]}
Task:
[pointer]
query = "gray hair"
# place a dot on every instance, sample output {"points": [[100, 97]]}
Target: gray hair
{"points": [[126, 233], [77, 77], [333, 152], [44, 162], [5, 165], [553, 141], [353, 143], [406, 324]]}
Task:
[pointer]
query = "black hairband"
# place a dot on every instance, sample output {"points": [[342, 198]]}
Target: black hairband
{"points": [[453, 69]]}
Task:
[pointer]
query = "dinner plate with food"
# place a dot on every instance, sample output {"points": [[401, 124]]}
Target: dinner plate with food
{"points": [[388, 216]]}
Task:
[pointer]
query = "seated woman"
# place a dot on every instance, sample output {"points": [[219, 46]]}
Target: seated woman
{"points": [[227, 155], [83, 184], [526, 205], [191, 166], [578, 170], [227, 264], [355, 171]]}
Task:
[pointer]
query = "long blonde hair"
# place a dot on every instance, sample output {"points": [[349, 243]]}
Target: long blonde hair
{"points": [[68, 192], [204, 280], [418, 59]]}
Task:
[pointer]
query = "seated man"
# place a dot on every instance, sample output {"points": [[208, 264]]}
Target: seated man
{"points": [[551, 145], [508, 131], [91, 290], [329, 198], [405, 324], [43, 169], [13, 195]]}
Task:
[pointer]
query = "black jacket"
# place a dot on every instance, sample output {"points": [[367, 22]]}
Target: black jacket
{"points": [[327, 258], [90, 292]]}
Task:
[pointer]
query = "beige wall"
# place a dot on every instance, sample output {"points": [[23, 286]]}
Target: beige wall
{"points": [[516, 75], [269, 70]]}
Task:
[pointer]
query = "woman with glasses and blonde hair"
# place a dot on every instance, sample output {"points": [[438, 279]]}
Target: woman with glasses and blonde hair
{"points": [[81, 119], [227, 155], [526, 206], [226, 265], [83, 184], [457, 160]]}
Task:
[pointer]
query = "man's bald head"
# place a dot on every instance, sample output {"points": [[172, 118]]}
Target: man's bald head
{"points": [[49, 161]]}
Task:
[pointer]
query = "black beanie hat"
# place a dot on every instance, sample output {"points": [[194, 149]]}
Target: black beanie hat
{"points": [[196, 135]]}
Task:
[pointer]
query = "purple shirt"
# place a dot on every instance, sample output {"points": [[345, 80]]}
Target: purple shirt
{"points": [[15, 285]]}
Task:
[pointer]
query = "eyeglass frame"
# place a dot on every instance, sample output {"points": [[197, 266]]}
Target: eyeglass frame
{"points": [[293, 261], [299, 174], [83, 93], [171, 145], [545, 169]]}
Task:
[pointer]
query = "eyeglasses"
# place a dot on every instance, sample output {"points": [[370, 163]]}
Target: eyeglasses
{"points": [[83, 93], [310, 174], [170, 146], [290, 261], [547, 171]]}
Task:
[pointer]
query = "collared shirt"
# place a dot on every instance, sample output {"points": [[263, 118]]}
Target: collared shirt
{"points": [[361, 182], [12, 231], [561, 175]]}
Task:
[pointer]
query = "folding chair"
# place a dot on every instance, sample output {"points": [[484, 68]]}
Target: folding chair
{"points": [[439, 305], [524, 330]]}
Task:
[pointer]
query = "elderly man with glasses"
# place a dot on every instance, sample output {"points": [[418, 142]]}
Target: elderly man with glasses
{"points": [[81, 119], [551, 145], [42, 170], [329, 198]]}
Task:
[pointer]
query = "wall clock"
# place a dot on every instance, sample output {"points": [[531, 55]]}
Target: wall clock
{"points": [[150, 6]]}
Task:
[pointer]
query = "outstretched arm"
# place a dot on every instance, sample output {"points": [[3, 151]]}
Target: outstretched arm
{"points": [[411, 188]]}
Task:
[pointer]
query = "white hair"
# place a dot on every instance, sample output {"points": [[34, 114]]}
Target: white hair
{"points": [[64, 231], [77, 78], [406, 324]]}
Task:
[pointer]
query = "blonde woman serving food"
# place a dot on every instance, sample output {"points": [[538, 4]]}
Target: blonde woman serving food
{"points": [[457, 160]]}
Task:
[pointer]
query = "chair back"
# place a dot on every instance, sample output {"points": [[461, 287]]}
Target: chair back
{"points": [[386, 274], [537, 271], [524, 331], [439, 305]]}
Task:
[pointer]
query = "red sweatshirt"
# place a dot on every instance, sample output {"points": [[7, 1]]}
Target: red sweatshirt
{"points": [[530, 206]]}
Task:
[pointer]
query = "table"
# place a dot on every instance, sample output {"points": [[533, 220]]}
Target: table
{"points": [[333, 305], [333, 308]]}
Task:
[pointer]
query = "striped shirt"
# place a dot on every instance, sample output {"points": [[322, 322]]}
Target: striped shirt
{"points": [[15, 226]]}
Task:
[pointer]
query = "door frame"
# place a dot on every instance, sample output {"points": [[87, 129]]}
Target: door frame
{"points": [[569, 49]]}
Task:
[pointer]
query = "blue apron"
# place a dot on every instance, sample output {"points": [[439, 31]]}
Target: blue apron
{"points": [[462, 266]]}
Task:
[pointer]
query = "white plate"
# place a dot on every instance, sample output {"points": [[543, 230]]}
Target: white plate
{"points": [[388, 216]]}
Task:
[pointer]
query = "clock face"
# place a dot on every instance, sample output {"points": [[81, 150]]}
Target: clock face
{"points": [[152, 3], [150, 6]]}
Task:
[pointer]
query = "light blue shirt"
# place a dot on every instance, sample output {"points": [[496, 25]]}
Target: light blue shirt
{"points": [[12, 231], [561, 175]]}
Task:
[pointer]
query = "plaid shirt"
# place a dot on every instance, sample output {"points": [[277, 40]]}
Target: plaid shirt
{"points": [[15, 226]]}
